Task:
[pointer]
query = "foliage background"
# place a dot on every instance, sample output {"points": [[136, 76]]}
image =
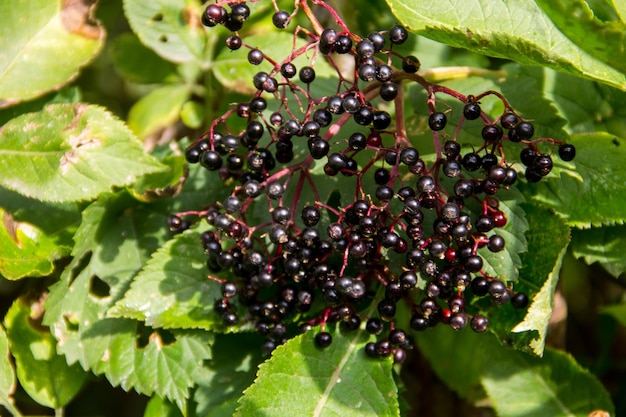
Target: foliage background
{"points": [[161, 98]]}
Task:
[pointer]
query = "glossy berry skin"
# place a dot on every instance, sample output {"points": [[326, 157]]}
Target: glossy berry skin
{"points": [[307, 75], [492, 133], [214, 15], [288, 70], [437, 121], [398, 35], [524, 130], [567, 152], [211, 160], [323, 339], [255, 56], [281, 19], [388, 91], [411, 64], [471, 111], [519, 300]]}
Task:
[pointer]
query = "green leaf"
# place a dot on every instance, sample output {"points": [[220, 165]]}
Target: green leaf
{"points": [[458, 368], [114, 241], [181, 294], [139, 64], [171, 28], [604, 245], [589, 194], [70, 153], [618, 311], [548, 239], [25, 250], [158, 407], [158, 109], [519, 31], [7, 375], [524, 385], [43, 44], [230, 371], [43, 374], [301, 379], [602, 39]]}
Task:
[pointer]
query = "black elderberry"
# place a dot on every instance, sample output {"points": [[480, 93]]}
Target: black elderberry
{"points": [[364, 116], [281, 19], [567, 152], [214, 15], [409, 156], [322, 117], [288, 70], [384, 73], [398, 34], [259, 79], [318, 148], [255, 56], [351, 104], [367, 73], [384, 193], [496, 243], [437, 121], [343, 45], [524, 130], [472, 161], [381, 120], [307, 75], [492, 133], [498, 291], [387, 309], [471, 111], [233, 42], [211, 160], [527, 156], [311, 216], [480, 286], [240, 12], [508, 120], [323, 339], [365, 48], [410, 64], [192, 155], [489, 161], [275, 190], [327, 40], [388, 91], [542, 164], [310, 129], [451, 168], [519, 300], [479, 323]]}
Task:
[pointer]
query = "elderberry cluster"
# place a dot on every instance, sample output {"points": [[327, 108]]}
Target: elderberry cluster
{"points": [[408, 235]]}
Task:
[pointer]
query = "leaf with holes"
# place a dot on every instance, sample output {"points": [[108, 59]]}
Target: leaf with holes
{"points": [[518, 30], [171, 28], [70, 153], [114, 241], [43, 44], [173, 290], [43, 374], [301, 379]]}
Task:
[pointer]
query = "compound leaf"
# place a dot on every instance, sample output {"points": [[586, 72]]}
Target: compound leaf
{"points": [[43, 44], [602, 244], [173, 290], [518, 30], [301, 379], [171, 28], [589, 191], [43, 374], [70, 153]]}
